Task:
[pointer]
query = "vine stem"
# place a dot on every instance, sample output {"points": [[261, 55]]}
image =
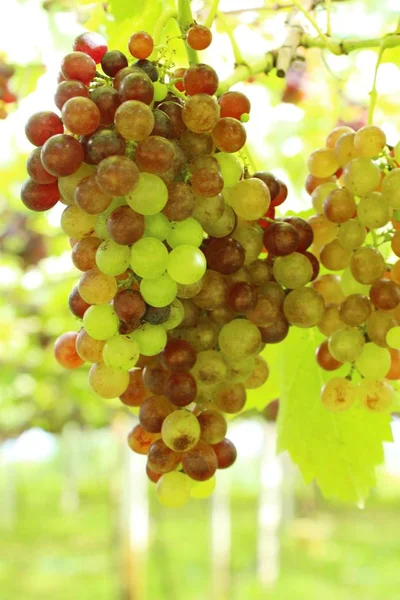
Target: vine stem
{"points": [[211, 15], [338, 47], [239, 60], [185, 19], [171, 13], [374, 92], [310, 19], [328, 4]]}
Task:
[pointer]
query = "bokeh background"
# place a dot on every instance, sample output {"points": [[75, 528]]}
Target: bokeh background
{"points": [[78, 518]]}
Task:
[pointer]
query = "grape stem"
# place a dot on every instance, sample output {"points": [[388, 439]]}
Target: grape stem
{"points": [[211, 15], [298, 4], [339, 47], [185, 19], [328, 5], [374, 92], [237, 54], [171, 13]]}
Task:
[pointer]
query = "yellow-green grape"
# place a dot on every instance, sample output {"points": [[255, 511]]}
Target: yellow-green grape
{"points": [[188, 232], [396, 153], [67, 185], [339, 394], [209, 210], [239, 339], [251, 239], [121, 353], [106, 381], [222, 226], [391, 188], [351, 286], [203, 489], [322, 163], [361, 176], [259, 374], [334, 257], [373, 211], [330, 321], [393, 338], [367, 265], [149, 196], [378, 324], [250, 199], [101, 223], [324, 231], [210, 368], [352, 234], [346, 344], [151, 339], [320, 194], [304, 307], [337, 133], [101, 322], [369, 141], [292, 271], [345, 150], [191, 290], [159, 291], [175, 316], [76, 223], [230, 167], [149, 257], [160, 91], [377, 396], [373, 361], [96, 287], [112, 258], [186, 264], [239, 370], [173, 489], [157, 226], [180, 430]]}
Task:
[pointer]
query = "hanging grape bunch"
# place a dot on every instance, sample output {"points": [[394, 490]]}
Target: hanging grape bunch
{"points": [[7, 97], [175, 301], [355, 189]]}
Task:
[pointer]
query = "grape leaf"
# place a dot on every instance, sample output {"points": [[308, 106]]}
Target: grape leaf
{"points": [[121, 9], [340, 451]]}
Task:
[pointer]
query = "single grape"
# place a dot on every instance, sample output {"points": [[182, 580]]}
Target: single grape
{"points": [[376, 396], [162, 459], [325, 359], [243, 330], [159, 291], [226, 453], [361, 176], [121, 353], [346, 344], [151, 339], [373, 361], [173, 489], [180, 430], [101, 322], [292, 271], [304, 307], [198, 37], [339, 394], [140, 440], [107, 382], [65, 351]]}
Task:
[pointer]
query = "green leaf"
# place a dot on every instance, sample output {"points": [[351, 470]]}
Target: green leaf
{"points": [[340, 451], [121, 9]]}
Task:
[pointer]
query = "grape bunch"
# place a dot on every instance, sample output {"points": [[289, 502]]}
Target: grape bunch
{"points": [[176, 298], [7, 97], [354, 184]]}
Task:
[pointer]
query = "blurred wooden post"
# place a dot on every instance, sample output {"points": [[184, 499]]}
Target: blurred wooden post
{"points": [[269, 509], [71, 457], [221, 537], [8, 491], [134, 520]]}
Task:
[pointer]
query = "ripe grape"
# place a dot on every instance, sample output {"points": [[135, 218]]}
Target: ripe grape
{"points": [[108, 382], [234, 104], [162, 459], [367, 265], [136, 393], [200, 113], [76, 304], [173, 489], [336, 133], [378, 325], [304, 307], [125, 226], [200, 79], [113, 61], [141, 44], [250, 198], [136, 86], [385, 294], [134, 120], [226, 453], [344, 149], [292, 271], [210, 368], [180, 430], [376, 395], [140, 440], [79, 67], [346, 344], [100, 322], [243, 330], [339, 206], [334, 257], [330, 320], [39, 197], [41, 126], [224, 255], [178, 355], [325, 359], [373, 211], [281, 239], [155, 378], [151, 339], [65, 351], [373, 361], [61, 155], [352, 234], [84, 253], [369, 141], [181, 389], [339, 394], [322, 162], [213, 426], [102, 144], [200, 462], [361, 176], [198, 37], [152, 412], [328, 285], [258, 375]]}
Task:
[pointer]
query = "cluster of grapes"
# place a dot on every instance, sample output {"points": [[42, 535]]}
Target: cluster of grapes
{"points": [[164, 223], [7, 97], [354, 184]]}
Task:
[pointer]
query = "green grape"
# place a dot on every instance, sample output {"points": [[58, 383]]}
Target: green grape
{"points": [[391, 188], [67, 185], [186, 264], [151, 339], [304, 307], [112, 258], [241, 369], [377, 396], [121, 353], [175, 316], [352, 234], [373, 361], [160, 91], [173, 489], [239, 339], [188, 232], [339, 394], [373, 211], [258, 375], [369, 141], [180, 430], [101, 322], [210, 368], [108, 382], [203, 489], [346, 344], [149, 196], [149, 257], [393, 338], [157, 226], [101, 223], [230, 167], [76, 223], [361, 176], [292, 271], [322, 163], [320, 194], [351, 286], [367, 265], [158, 291], [250, 198]]}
